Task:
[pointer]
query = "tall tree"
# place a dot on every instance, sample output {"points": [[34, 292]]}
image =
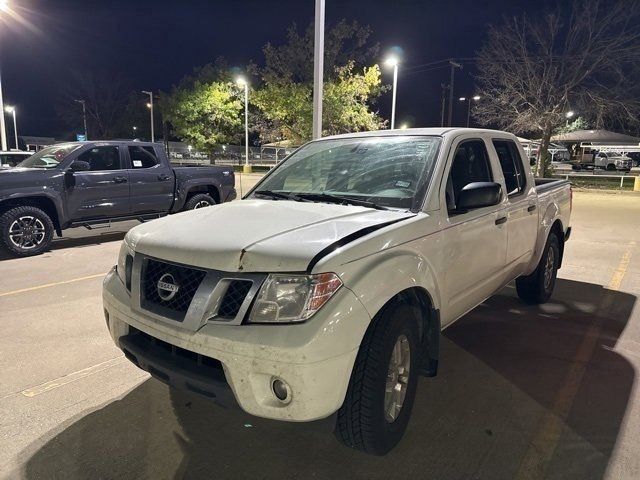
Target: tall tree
{"points": [[533, 70], [351, 85], [105, 99], [205, 108]]}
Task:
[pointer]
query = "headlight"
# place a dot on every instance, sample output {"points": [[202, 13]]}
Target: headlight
{"points": [[292, 298], [125, 264]]}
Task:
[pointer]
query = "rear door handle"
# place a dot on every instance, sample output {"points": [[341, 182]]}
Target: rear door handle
{"points": [[120, 179], [163, 176], [531, 208], [501, 220]]}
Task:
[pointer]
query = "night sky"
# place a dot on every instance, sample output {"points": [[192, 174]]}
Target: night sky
{"points": [[154, 43]]}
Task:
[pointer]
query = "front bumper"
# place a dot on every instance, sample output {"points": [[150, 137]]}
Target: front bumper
{"points": [[314, 358]]}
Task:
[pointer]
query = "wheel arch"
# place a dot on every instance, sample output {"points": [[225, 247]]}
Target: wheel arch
{"points": [[429, 325], [44, 203], [559, 232]]}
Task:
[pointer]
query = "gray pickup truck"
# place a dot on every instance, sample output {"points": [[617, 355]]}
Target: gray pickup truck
{"points": [[95, 183]]}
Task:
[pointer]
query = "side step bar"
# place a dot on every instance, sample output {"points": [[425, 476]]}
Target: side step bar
{"points": [[98, 224]]}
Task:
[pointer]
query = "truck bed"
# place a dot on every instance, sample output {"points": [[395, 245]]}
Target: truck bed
{"points": [[545, 184]]}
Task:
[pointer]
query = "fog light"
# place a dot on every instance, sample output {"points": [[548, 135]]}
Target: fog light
{"points": [[281, 390]]}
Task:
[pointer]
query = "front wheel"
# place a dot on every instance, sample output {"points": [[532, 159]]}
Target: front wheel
{"points": [[377, 407], [538, 287], [26, 231]]}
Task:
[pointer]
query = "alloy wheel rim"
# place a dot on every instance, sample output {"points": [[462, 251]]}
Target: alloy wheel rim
{"points": [[548, 269], [397, 379], [201, 204], [27, 232]]}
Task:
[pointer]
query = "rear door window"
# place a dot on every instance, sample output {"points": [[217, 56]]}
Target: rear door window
{"points": [[142, 157], [511, 164]]}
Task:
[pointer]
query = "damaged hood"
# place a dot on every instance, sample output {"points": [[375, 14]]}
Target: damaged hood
{"points": [[256, 235]]}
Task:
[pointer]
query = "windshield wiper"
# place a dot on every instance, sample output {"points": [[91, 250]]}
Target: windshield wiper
{"points": [[282, 195], [328, 197]]}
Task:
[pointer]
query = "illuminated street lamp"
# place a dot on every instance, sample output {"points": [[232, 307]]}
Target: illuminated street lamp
{"points": [[242, 82], [150, 107], [393, 62], [475, 98], [569, 115], [404, 126], [12, 110]]}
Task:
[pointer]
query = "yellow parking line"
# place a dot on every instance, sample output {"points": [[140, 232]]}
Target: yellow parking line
{"points": [[545, 440], [47, 285], [71, 377]]}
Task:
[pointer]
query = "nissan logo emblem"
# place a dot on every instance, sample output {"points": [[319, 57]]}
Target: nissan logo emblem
{"points": [[167, 287]]}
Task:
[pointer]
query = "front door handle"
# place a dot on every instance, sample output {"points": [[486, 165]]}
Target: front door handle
{"points": [[163, 176], [119, 179], [501, 220], [531, 208]]}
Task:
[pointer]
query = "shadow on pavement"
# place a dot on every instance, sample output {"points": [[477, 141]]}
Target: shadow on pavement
{"points": [[503, 368]]}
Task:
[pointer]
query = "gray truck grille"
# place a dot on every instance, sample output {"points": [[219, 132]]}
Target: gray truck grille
{"points": [[234, 297], [168, 289]]}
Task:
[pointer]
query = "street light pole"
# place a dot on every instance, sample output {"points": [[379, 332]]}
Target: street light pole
{"points": [[12, 110], [454, 65], [475, 98], [5, 7], [243, 83], [394, 63], [84, 117], [153, 138], [3, 132], [318, 69]]}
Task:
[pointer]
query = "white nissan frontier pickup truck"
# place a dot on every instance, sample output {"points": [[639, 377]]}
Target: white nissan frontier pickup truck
{"points": [[323, 292]]}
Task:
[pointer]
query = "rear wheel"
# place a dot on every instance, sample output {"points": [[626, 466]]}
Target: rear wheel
{"points": [[200, 200], [26, 231], [538, 287], [383, 383]]}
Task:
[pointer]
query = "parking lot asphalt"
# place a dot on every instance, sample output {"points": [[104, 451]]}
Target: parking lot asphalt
{"points": [[522, 392]]}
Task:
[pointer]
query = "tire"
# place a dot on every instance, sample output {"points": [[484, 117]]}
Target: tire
{"points": [[198, 201], [26, 231], [365, 420], [611, 167], [538, 287]]}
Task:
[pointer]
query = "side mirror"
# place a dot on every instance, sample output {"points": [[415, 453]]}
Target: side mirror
{"points": [[80, 166], [479, 195]]}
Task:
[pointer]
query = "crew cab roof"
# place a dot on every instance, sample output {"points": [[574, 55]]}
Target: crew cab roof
{"points": [[111, 142], [433, 131]]}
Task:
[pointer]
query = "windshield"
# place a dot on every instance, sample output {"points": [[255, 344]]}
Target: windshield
{"points": [[48, 157], [383, 171]]}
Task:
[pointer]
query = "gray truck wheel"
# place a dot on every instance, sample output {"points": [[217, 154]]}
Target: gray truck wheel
{"points": [[538, 287], [199, 200], [26, 231], [380, 396]]}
